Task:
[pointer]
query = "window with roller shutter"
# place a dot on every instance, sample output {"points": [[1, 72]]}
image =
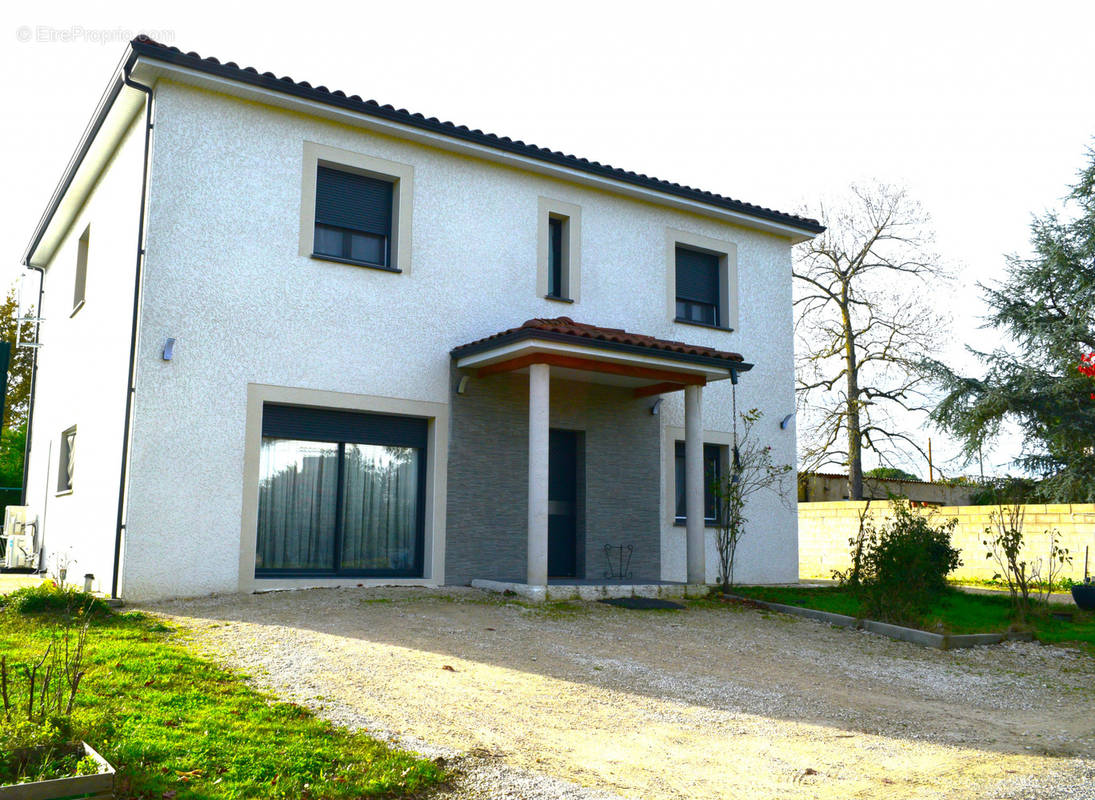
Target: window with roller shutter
{"points": [[698, 289], [353, 217]]}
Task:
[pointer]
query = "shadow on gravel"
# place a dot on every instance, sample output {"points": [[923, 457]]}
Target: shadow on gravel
{"points": [[1026, 700]]}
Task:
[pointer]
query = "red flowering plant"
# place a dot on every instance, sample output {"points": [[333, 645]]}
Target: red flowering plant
{"points": [[1087, 366]]}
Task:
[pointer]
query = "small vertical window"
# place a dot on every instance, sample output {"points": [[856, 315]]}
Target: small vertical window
{"points": [[556, 257], [81, 271], [712, 472], [353, 217], [66, 462], [558, 250], [698, 289]]}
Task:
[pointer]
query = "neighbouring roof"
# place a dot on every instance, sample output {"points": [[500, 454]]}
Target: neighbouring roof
{"points": [[564, 329], [145, 46], [844, 477]]}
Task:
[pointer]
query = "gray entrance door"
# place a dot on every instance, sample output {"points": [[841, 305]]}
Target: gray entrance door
{"points": [[563, 504]]}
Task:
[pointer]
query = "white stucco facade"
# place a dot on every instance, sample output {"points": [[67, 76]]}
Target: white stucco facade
{"points": [[82, 367], [224, 276]]}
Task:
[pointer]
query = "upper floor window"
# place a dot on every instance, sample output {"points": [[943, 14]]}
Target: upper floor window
{"points": [[355, 208], [698, 287], [556, 257], [702, 279], [353, 217], [557, 275], [81, 271]]}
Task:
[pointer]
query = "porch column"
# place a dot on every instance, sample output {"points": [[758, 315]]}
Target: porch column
{"points": [[693, 484], [539, 387]]}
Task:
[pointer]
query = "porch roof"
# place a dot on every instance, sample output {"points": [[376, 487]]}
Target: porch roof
{"points": [[649, 364]]}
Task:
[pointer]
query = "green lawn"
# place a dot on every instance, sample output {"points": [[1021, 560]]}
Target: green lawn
{"points": [[957, 612], [178, 726]]}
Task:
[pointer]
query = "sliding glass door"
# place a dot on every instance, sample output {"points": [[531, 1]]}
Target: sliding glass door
{"points": [[340, 493]]}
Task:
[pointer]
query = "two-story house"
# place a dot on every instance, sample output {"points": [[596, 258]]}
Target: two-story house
{"points": [[296, 338]]}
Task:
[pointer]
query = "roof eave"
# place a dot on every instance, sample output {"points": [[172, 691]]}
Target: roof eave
{"points": [[153, 61], [112, 117], [149, 62], [527, 334]]}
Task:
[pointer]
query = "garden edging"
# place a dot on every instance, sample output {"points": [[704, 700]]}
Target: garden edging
{"points": [[99, 786], [941, 641]]}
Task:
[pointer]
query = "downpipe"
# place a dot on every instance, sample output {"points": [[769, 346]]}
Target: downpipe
{"points": [[131, 376]]}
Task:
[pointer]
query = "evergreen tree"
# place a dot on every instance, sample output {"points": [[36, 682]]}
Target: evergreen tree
{"points": [[1046, 306], [890, 474]]}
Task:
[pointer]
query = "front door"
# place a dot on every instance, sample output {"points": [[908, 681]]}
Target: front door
{"points": [[563, 504]]}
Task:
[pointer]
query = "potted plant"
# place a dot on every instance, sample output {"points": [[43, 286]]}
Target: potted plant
{"points": [[1084, 593], [41, 758]]}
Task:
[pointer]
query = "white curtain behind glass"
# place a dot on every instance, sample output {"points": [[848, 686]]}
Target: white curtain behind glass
{"points": [[298, 485], [380, 501]]}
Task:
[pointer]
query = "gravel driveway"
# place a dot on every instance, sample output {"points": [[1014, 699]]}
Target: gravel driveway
{"points": [[589, 701]]}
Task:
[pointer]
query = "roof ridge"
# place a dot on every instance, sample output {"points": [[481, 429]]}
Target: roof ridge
{"points": [[147, 45]]}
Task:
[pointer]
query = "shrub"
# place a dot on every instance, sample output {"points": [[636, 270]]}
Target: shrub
{"points": [[48, 597], [904, 565], [1023, 574]]}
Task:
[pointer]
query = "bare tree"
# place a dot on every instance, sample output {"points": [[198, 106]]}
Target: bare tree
{"points": [[864, 324]]}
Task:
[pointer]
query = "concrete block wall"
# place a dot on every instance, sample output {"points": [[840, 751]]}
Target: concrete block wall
{"points": [[824, 531], [488, 477]]}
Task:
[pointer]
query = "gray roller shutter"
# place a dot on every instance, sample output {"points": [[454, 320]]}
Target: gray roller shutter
{"points": [[356, 202]]}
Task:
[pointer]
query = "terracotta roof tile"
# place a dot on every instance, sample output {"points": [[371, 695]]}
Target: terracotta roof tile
{"points": [[578, 331]]}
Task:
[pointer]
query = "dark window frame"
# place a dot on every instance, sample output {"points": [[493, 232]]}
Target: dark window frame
{"points": [[558, 257], [344, 256], [417, 570], [706, 311], [713, 454]]}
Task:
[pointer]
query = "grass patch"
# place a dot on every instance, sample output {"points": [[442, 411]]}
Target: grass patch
{"points": [[1063, 586], [176, 725], [953, 612]]}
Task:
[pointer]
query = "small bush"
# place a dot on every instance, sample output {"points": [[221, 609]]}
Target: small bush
{"points": [[904, 565], [48, 597]]}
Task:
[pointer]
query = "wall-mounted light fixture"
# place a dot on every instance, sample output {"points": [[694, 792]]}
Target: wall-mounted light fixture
{"points": [[654, 408], [786, 421], [463, 385], [168, 349]]}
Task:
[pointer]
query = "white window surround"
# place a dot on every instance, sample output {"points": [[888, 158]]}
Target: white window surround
{"points": [[548, 207], [727, 252], [401, 176], [724, 465], [437, 446]]}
